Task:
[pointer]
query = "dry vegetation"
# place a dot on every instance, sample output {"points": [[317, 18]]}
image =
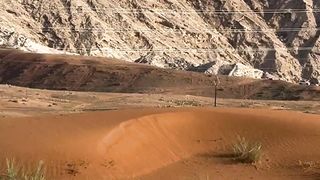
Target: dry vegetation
{"points": [[14, 172], [247, 152]]}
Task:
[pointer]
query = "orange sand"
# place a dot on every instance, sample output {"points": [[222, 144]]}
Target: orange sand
{"points": [[162, 143]]}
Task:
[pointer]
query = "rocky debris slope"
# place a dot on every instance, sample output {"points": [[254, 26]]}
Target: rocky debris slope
{"points": [[269, 35]]}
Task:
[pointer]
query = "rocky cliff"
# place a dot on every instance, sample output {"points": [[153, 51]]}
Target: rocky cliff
{"points": [[280, 37]]}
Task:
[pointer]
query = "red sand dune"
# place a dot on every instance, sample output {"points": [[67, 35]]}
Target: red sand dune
{"points": [[143, 143]]}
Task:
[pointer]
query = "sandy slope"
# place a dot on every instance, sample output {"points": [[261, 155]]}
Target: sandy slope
{"points": [[154, 143], [81, 73]]}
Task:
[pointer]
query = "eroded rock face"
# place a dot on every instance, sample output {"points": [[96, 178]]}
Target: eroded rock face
{"points": [[240, 70], [297, 29], [10, 38], [174, 34]]}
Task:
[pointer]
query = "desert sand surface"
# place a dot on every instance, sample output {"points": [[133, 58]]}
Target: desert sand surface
{"points": [[27, 102], [164, 143], [98, 118]]}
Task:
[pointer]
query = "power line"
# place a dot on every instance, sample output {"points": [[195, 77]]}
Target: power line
{"points": [[193, 12], [106, 65], [191, 49], [154, 10], [215, 30], [186, 49], [213, 60], [148, 30]]}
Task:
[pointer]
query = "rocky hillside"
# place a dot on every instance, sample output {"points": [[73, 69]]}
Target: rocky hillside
{"points": [[280, 37]]}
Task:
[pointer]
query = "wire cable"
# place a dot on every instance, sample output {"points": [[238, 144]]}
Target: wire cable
{"points": [[105, 65], [192, 49], [154, 10], [152, 30]]}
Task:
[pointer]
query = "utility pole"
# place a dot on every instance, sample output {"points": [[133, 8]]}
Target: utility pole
{"points": [[215, 95], [216, 83]]}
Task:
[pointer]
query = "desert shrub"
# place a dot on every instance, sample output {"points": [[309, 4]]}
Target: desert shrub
{"points": [[12, 171], [15, 173], [186, 103], [247, 152]]}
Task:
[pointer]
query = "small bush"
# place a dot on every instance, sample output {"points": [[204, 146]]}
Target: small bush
{"points": [[12, 171], [15, 173], [246, 152]]}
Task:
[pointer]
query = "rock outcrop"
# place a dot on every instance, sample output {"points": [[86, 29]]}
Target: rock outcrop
{"points": [[10, 38], [281, 37], [241, 70]]}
